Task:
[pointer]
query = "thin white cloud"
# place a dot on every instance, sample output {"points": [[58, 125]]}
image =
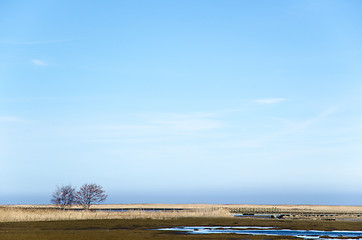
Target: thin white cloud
{"points": [[317, 119], [189, 124], [170, 122], [11, 119], [292, 128], [157, 127], [7, 42], [39, 62], [270, 100]]}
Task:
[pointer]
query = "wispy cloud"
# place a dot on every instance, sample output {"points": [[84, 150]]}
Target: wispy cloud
{"points": [[171, 122], [188, 122], [292, 130], [294, 126], [161, 126], [39, 62], [320, 117], [10, 42], [11, 119], [270, 100]]}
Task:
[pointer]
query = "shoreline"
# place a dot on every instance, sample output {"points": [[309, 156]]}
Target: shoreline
{"points": [[291, 207]]}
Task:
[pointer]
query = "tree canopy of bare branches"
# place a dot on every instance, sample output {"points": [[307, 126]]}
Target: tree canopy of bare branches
{"points": [[63, 196], [90, 194]]}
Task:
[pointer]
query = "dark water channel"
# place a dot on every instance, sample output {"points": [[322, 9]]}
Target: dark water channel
{"points": [[305, 234]]}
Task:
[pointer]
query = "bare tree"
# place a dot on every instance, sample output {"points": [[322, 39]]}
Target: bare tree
{"points": [[63, 196], [90, 194]]}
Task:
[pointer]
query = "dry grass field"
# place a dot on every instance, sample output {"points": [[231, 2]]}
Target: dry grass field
{"points": [[35, 213], [321, 208], [19, 213], [45, 222]]}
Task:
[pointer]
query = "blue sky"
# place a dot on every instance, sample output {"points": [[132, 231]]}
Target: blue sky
{"points": [[182, 101]]}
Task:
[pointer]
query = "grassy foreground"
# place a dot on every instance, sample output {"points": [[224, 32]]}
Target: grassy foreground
{"points": [[137, 229]]}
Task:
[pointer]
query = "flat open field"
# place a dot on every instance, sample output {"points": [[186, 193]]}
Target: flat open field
{"points": [[163, 211], [317, 208], [30, 222]]}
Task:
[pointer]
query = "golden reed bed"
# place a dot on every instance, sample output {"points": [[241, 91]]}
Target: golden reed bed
{"points": [[20, 214], [317, 208]]}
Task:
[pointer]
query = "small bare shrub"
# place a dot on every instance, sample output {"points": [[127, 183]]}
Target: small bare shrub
{"points": [[90, 194], [63, 196]]}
